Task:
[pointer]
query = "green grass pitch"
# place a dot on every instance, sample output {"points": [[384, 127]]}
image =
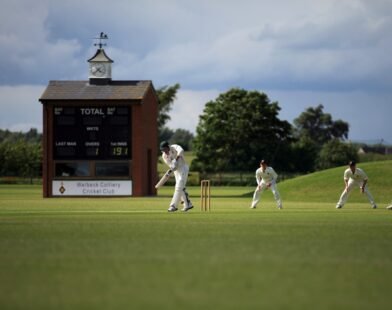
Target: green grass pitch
{"points": [[130, 253]]}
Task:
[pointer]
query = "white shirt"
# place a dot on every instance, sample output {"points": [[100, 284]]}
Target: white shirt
{"points": [[358, 175], [268, 175], [174, 152]]}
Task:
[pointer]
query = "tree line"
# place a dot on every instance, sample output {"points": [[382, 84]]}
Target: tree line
{"points": [[20, 154], [235, 131], [240, 127]]}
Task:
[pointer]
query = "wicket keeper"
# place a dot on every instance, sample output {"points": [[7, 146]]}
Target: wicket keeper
{"points": [[173, 156]]}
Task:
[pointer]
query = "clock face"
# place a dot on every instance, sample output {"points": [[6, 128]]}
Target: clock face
{"points": [[98, 69]]}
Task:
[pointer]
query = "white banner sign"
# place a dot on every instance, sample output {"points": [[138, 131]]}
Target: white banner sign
{"points": [[91, 188]]}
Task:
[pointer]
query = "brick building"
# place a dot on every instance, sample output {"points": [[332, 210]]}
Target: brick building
{"points": [[100, 135]]}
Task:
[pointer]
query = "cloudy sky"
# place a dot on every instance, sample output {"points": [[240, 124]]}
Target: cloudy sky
{"points": [[301, 53]]}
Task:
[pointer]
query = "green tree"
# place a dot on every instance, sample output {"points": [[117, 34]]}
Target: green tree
{"points": [[31, 165], [165, 134], [335, 153], [182, 137], [4, 135], [301, 156], [20, 158], [238, 129], [319, 126], [31, 136], [10, 158], [166, 96]]}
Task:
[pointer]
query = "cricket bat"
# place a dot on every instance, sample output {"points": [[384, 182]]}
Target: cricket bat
{"points": [[165, 177]]}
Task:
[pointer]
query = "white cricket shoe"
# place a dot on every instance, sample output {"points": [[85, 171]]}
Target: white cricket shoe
{"points": [[172, 209], [253, 207], [280, 207], [190, 206], [389, 207], [338, 206], [374, 206]]}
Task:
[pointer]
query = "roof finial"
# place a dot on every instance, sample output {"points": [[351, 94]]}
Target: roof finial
{"points": [[102, 36]]}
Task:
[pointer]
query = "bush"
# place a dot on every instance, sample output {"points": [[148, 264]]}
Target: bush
{"points": [[336, 153]]}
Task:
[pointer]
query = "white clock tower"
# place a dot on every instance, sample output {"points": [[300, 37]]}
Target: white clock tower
{"points": [[100, 70]]}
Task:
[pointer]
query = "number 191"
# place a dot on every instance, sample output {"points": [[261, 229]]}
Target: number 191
{"points": [[119, 151]]}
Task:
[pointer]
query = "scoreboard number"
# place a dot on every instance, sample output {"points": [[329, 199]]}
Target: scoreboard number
{"points": [[81, 133], [119, 151]]}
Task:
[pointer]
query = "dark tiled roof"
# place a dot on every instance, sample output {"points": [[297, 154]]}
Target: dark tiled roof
{"points": [[83, 90]]}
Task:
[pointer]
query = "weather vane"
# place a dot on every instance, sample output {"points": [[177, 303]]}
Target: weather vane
{"points": [[102, 36]]}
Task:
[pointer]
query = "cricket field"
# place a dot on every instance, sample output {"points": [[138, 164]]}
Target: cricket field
{"points": [[130, 253]]}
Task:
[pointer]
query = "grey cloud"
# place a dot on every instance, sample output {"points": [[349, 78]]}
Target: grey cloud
{"points": [[339, 45], [282, 47]]}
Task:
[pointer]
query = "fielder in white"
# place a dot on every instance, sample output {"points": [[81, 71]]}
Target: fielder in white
{"points": [[355, 177], [266, 178], [173, 156]]}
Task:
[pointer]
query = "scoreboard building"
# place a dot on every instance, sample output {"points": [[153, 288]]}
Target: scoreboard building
{"points": [[99, 135]]}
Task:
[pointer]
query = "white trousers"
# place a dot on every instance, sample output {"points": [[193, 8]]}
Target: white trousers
{"points": [[260, 189], [181, 176], [351, 185]]}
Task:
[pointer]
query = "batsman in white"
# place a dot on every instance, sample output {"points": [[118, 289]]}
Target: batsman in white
{"points": [[266, 178], [173, 156], [354, 176]]}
